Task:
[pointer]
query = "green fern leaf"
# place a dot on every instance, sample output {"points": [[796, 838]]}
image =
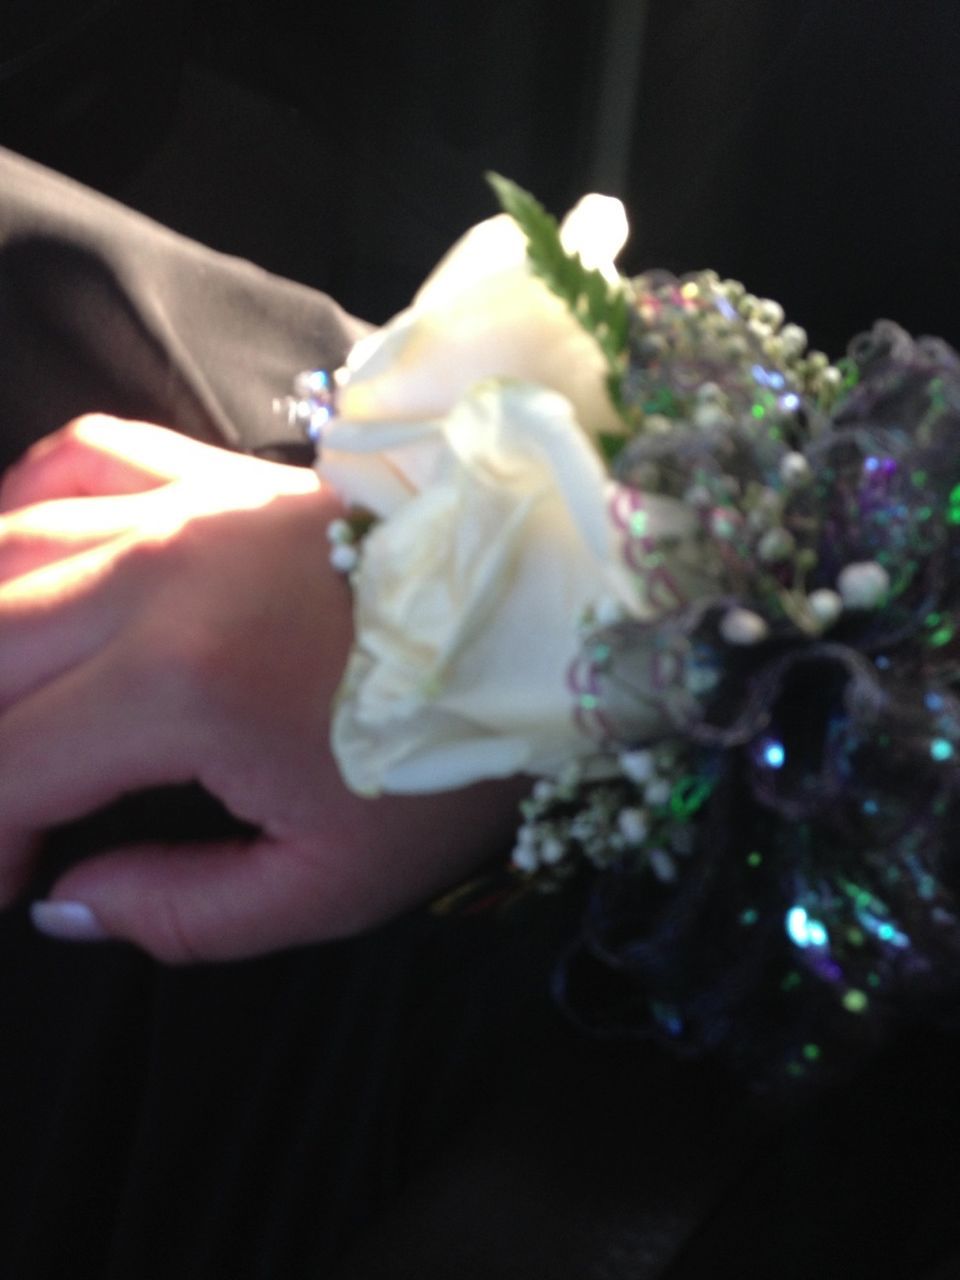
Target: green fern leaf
{"points": [[601, 308]]}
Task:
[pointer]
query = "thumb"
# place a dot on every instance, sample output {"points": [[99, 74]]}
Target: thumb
{"points": [[192, 902]]}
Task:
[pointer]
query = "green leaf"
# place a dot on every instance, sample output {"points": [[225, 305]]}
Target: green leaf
{"points": [[601, 308]]}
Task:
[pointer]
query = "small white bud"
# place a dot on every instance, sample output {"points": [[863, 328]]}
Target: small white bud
{"points": [[743, 626], [794, 340], [759, 328], [344, 557], [863, 585], [769, 312], [711, 417], [339, 531], [637, 765], [710, 393], [775, 546], [662, 865], [582, 828], [825, 605], [524, 858], [794, 469], [552, 850], [657, 791], [773, 348], [632, 824]]}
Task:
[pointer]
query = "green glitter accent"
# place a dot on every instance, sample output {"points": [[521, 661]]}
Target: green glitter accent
{"points": [[601, 308], [791, 981], [750, 916], [688, 796], [663, 403], [855, 936], [601, 653], [850, 371], [638, 523], [941, 749], [933, 619], [811, 1052], [918, 479], [855, 1001], [754, 859], [668, 1016], [924, 513], [873, 980], [942, 636], [589, 702], [796, 1069], [610, 443], [758, 411], [953, 506]]}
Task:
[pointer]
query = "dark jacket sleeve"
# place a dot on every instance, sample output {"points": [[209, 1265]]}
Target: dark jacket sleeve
{"points": [[103, 310]]}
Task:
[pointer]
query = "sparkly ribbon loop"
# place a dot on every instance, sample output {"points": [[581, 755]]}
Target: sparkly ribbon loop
{"points": [[814, 904]]}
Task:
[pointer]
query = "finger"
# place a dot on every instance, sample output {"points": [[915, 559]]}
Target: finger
{"points": [[97, 732], [37, 535], [57, 617], [98, 455], [241, 898], [185, 903]]}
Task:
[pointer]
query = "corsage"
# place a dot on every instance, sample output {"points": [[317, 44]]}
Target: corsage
{"points": [[632, 538]]}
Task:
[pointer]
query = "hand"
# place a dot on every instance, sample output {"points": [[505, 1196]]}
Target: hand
{"points": [[168, 614]]}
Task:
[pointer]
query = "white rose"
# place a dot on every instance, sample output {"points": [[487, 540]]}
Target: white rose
{"points": [[481, 314], [467, 425], [467, 600]]}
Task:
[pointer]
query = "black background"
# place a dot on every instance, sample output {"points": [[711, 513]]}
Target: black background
{"points": [[810, 149], [253, 1120]]}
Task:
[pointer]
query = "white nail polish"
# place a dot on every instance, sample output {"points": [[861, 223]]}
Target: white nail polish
{"points": [[70, 921]]}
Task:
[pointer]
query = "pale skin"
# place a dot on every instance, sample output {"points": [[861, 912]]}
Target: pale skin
{"points": [[168, 614]]}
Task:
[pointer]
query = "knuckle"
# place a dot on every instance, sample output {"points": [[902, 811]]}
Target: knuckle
{"points": [[147, 562]]}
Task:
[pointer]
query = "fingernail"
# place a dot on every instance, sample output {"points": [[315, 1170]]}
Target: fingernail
{"points": [[71, 921]]}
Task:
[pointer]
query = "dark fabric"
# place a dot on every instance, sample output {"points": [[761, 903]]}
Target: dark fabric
{"points": [[405, 1104], [807, 149], [101, 309]]}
